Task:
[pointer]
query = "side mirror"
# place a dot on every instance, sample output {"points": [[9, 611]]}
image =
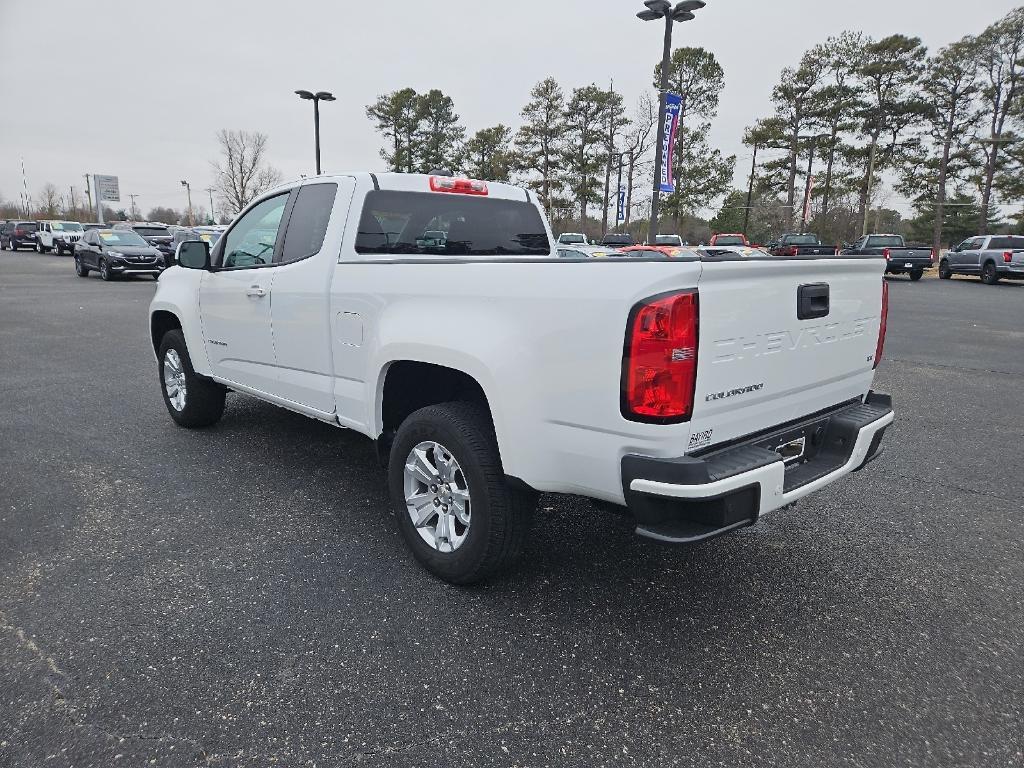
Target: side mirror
{"points": [[193, 254]]}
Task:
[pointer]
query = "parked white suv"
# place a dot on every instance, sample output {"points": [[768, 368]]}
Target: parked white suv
{"points": [[59, 236], [699, 392]]}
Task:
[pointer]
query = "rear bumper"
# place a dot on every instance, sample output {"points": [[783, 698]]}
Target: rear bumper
{"points": [[692, 499], [898, 266], [1010, 271]]}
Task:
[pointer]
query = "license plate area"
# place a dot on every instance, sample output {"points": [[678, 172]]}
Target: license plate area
{"points": [[798, 444]]}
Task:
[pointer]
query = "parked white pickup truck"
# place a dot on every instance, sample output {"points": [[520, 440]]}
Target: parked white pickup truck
{"points": [[700, 392]]}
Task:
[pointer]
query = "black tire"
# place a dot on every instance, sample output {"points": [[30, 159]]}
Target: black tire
{"points": [[80, 269], [989, 276], [40, 248], [204, 399], [105, 272], [500, 515], [916, 274], [945, 273]]}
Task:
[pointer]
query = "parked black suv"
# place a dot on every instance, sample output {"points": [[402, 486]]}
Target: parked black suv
{"points": [[18, 234], [158, 235]]}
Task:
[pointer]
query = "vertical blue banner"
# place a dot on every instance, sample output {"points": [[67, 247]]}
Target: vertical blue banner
{"points": [[621, 214], [673, 108]]}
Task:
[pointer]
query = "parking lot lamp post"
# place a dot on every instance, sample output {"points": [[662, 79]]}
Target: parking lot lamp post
{"points": [[316, 98], [188, 189], [663, 9]]}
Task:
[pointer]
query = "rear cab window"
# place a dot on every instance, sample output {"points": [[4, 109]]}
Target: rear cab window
{"points": [[1006, 244], [887, 241], [308, 222], [446, 225]]}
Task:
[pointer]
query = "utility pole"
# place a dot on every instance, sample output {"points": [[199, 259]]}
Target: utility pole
{"points": [[134, 216], [213, 216], [88, 190], [750, 191], [71, 200]]}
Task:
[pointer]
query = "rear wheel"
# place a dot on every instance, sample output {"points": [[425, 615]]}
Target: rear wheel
{"points": [[916, 274], [80, 269], [457, 513], [192, 401], [989, 276], [945, 273]]}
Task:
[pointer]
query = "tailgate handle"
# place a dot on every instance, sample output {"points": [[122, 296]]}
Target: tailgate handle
{"points": [[812, 301]]}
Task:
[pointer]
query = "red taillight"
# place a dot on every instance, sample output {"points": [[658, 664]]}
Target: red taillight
{"points": [[459, 186], [1008, 257], [883, 324], [887, 253], [793, 251], [931, 256], [659, 368]]}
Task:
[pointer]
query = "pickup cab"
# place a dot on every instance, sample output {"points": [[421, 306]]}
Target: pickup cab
{"points": [[793, 244], [487, 369], [991, 257], [900, 258], [730, 240]]}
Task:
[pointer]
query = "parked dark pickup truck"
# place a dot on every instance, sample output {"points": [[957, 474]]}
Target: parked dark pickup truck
{"points": [[797, 244], [900, 258]]}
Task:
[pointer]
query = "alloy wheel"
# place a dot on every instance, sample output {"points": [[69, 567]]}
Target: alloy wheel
{"points": [[174, 380], [437, 496]]}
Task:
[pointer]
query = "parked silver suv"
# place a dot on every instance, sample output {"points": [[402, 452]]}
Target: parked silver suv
{"points": [[991, 257]]}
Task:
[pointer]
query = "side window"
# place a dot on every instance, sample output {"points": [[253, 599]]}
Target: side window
{"points": [[250, 243], [1001, 244], [307, 224], [976, 244]]}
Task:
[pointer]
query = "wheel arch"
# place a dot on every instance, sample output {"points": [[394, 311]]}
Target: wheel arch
{"points": [[406, 385], [160, 322]]}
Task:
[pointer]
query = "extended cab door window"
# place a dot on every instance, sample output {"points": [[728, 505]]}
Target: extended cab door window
{"points": [[307, 224], [253, 239]]}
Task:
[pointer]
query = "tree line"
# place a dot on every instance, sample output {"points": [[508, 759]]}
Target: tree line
{"points": [[573, 148], [876, 116]]}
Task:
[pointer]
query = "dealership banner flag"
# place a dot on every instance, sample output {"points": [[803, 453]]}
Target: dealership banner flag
{"points": [[673, 108]]}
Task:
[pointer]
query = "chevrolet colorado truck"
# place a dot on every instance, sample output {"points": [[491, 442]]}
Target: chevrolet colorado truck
{"points": [[900, 258], [698, 393]]}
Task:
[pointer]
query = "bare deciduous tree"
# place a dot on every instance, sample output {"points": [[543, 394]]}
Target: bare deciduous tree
{"points": [[48, 206], [242, 173]]}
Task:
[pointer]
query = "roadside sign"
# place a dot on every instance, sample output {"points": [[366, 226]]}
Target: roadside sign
{"points": [[107, 189]]}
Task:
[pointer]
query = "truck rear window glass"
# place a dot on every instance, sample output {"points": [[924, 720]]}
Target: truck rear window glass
{"points": [[447, 225], [798, 240], [885, 242]]}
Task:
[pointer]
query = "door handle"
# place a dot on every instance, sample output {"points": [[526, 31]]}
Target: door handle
{"points": [[256, 290]]}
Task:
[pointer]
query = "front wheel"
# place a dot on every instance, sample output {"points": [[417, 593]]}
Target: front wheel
{"points": [[989, 276], [40, 248], [80, 269], [916, 274], [105, 272], [192, 401], [945, 273], [455, 509]]}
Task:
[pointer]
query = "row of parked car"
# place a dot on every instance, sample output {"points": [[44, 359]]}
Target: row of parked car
{"points": [[990, 257], [112, 250]]}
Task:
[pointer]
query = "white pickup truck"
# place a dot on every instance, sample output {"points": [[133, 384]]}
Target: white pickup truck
{"points": [[699, 392]]}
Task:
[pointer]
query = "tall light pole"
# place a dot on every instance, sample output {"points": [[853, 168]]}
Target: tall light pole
{"points": [[188, 189], [810, 168], [317, 98], [663, 9]]}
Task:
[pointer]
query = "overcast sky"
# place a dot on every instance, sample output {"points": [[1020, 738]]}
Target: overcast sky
{"points": [[138, 88]]}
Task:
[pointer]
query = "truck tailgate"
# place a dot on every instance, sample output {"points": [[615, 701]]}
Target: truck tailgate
{"points": [[780, 340]]}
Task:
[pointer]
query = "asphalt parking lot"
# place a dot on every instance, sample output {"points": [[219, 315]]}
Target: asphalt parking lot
{"points": [[241, 596]]}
